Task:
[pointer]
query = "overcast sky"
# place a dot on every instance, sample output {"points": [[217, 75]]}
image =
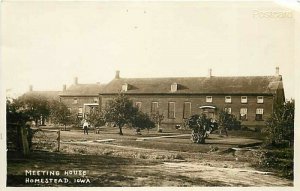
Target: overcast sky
{"points": [[47, 44]]}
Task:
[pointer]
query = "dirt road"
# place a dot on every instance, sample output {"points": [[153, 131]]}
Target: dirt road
{"points": [[169, 168]]}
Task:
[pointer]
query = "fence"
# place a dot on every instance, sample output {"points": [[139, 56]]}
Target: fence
{"points": [[22, 138]]}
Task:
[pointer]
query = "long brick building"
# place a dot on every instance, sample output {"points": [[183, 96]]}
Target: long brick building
{"points": [[250, 98]]}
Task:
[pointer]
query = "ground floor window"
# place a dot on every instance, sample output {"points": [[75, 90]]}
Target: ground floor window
{"points": [[227, 110], [259, 114], [171, 110], [154, 107], [80, 112], [243, 114], [186, 110], [138, 105]]}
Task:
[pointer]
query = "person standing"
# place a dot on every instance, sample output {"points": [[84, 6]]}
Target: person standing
{"points": [[85, 127]]}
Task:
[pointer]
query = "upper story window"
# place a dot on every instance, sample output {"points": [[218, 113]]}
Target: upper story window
{"points": [[80, 110], [75, 100], [260, 99], [174, 87], [138, 105], [208, 99], [227, 110], [227, 99], [244, 99], [96, 100]]}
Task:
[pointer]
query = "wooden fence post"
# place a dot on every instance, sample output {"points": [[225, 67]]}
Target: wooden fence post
{"points": [[24, 141], [58, 140]]}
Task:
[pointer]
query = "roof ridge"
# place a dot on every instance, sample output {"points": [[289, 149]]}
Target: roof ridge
{"points": [[195, 77]]}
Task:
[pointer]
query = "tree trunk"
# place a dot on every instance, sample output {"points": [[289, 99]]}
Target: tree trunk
{"points": [[65, 127], [121, 133]]}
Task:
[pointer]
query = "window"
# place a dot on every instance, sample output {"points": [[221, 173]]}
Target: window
{"points": [[260, 99], [243, 114], [80, 113], [227, 110], [186, 110], [174, 87], [171, 110], [154, 107], [227, 99], [243, 99], [96, 100], [259, 114], [124, 87], [75, 100], [208, 99], [138, 105]]}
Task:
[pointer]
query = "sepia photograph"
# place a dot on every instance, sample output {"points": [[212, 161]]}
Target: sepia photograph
{"points": [[149, 94]]}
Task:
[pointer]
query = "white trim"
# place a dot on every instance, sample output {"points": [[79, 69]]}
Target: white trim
{"points": [[91, 104], [207, 106]]}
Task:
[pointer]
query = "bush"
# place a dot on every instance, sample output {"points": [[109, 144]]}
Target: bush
{"points": [[278, 160], [229, 121], [280, 126], [199, 124]]}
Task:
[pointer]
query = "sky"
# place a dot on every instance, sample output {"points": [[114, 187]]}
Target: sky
{"points": [[47, 44]]}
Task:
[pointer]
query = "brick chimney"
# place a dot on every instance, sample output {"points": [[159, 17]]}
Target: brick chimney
{"points": [[277, 71], [209, 72], [64, 87], [30, 88], [76, 80], [117, 74]]}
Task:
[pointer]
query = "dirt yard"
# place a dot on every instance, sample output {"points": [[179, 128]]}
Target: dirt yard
{"points": [[113, 160]]}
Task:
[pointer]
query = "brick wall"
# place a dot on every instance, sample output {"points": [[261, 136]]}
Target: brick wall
{"points": [[69, 101], [199, 100]]}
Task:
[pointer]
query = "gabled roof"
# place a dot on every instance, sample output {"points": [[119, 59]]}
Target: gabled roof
{"points": [[197, 85], [83, 90], [49, 95]]}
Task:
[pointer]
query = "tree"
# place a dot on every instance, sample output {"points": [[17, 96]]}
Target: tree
{"points": [[199, 125], [280, 126], [228, 121], [142, 121], [157, 118], [60, 114], [120, 111], [96, 117], [18, 126], [36, 106], [16, 113]]}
